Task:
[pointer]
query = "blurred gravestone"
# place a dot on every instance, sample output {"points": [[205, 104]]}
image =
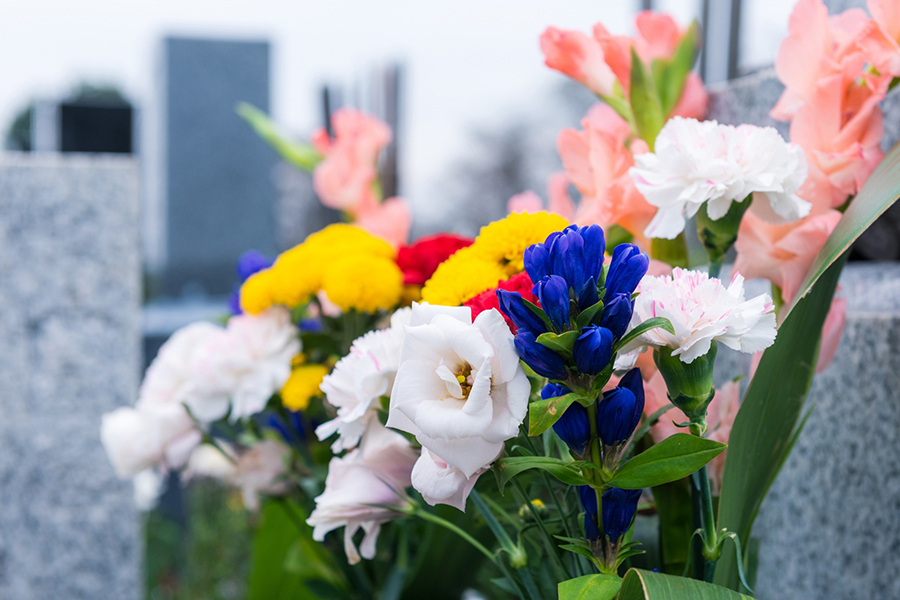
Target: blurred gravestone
{"points": [[220, 197], [69, 351]]}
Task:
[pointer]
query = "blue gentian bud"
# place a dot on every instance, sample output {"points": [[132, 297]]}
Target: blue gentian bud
{"points": [[537, 261], [542, 360], [567, 258], [626, 269], [594, 248], [588, 295], [250, 262], [617, 314], [589, 502], [513, 306], [620, 410], [619, 508], [553, 293], [573, 427], [234, 301], [593, 349]]}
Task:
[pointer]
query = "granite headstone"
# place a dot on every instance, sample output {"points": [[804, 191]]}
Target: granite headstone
{"points": [[69, 352], [220, 197]]}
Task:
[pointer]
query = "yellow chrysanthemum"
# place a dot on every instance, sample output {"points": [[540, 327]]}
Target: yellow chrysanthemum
{"points": [[505, 241], [462, 276], [302, 386], [299, 273], [256, 293], [364, 283]]}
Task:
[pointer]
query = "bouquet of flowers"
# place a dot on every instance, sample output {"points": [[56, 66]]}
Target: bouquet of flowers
{"points": [[533, 413]]}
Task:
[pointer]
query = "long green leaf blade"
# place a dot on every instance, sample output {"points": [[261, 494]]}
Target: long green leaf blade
{"points": [[878, 194], [647, 585], [675, 457], [566, 472], [768, 417], [302, 156], [590, 587]]}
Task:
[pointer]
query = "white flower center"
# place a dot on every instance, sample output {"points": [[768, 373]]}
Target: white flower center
{"points": [[458, 380]]}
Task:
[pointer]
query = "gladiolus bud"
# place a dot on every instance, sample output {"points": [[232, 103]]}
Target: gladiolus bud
{"points": [[593, 349], [542, 360]]}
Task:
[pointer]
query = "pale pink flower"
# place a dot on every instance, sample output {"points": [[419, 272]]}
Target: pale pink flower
{"points": [[359, 380], [578, 56], [344, 180], [389, 220], [260, 470], [239, 369], [440, 483], [782, 254], [885, 42], [697, 163], [460, 388], [655, 397], [376, 473], [702, 311], [597, 161], [559, 202], [694, 101]]}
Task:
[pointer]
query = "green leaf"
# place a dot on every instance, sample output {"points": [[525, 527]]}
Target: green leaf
{"points": [[647, 585], [768, 418], [670, 75], [648, 112], [590, 587], [565, 472], [675, 457], [302, 156], [542, 414], [880, 191], [586, 317], [537, 310], [559, 342], [676, 524], [661, 322]]}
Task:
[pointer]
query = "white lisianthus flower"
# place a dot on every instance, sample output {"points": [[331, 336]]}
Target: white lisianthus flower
{"points": [[149, 485], [360, 379], [701, 311], [209, 461], [259, 471], [375, 473], [439, 483], [460, 388], [704, 162], [242, 366]]}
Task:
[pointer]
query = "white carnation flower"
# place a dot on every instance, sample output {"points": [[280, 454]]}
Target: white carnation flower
{"points": [[376, 473], [460, 388], [259, 470], [701, 311], [360, 379], [704, 162]]}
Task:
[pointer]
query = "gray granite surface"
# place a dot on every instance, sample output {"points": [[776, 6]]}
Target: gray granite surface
{"points": [[69, 351], [220, 197], [830, 526]]}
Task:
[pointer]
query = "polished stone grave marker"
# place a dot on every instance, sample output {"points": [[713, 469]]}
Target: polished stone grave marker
{"points": [[69, 351]]}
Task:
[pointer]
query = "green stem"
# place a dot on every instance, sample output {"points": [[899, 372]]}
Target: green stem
{"points": [[423, 514], [715, 266], [709, 535], [528, 582], [672, 252], [548, 539]]}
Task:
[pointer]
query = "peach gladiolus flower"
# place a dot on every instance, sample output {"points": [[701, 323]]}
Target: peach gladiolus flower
{"points": [[597, 161], [839, 127], [658, 37], [559, 202], [345, 178], [832, 330], [575, 54], [782, 254], [389, 220]]}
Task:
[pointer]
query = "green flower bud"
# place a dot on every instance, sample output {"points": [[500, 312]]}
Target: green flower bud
{"points": [[690, 385]]}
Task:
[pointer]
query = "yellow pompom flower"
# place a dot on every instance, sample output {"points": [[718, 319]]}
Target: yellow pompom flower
{"points": [[302, 386], [504, 242], [256, 293], [462, 276], [364, 283]]}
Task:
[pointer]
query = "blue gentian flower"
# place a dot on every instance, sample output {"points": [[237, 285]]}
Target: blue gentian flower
{"points": [[589, 502], [553, 293], [620, 410], [626, 269], [573, 427], [619, 508], [542, 360], [250, 262], [513, 306], [537, 261], [617, 314], [593, 349]]}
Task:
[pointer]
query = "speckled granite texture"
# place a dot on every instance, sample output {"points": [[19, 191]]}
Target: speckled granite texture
{"points": [[830, 526], [69, 351]]}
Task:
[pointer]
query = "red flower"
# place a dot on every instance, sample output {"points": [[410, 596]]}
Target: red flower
{"points": [[418, 261], [487, 299]]}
